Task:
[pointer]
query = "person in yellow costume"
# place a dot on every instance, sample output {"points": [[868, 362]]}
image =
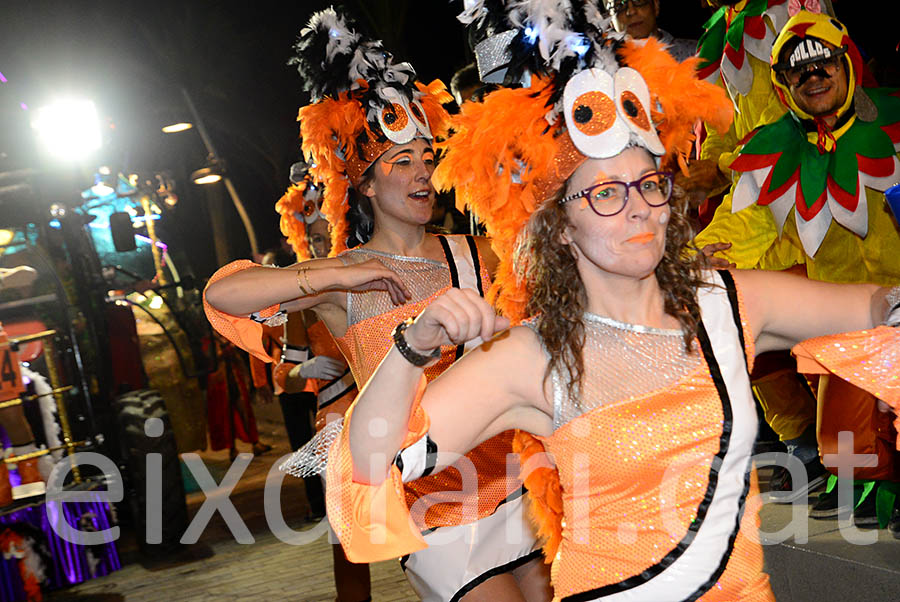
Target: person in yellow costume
{"points": [[734, 53], [834, 254], [809, 187]]}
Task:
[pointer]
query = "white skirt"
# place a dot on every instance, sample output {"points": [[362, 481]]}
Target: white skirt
{"points": [[460, 558]]}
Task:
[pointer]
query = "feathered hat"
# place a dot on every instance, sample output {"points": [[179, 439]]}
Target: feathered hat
{"points": [[362, 104], [300, 206], [586, 92]]}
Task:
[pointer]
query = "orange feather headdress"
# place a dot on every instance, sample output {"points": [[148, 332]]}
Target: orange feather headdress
{"points": [[362, 104], [299, 207], [587, 92]]}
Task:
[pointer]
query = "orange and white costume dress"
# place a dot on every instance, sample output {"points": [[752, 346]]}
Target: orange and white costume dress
{"points": [[334, 396], [653, 497], [659, 499], [459, 509], [468, 534]]}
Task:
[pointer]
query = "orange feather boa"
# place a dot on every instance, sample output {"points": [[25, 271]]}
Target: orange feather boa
{"points": [[544, 493]]}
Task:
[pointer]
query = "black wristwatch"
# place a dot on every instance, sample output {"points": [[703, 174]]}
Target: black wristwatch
{"points": [[413, 357]]}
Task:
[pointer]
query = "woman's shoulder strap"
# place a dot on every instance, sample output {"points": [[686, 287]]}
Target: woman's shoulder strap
{"points": [[463, 260]]}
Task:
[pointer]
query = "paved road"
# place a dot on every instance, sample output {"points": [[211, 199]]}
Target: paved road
{"points": [[219, 568]]}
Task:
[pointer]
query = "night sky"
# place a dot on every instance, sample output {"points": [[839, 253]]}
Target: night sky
{"points": [[132, 59]]}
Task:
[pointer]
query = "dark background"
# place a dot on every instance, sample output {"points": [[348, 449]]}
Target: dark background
{"points": [[132, 59]]}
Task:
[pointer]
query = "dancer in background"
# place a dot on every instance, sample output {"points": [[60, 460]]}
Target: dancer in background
{"points": [[369, 133], [310, 371]]}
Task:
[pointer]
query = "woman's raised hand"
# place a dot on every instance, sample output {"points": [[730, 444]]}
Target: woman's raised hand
{"points": [[457, 316], [372, 275]]}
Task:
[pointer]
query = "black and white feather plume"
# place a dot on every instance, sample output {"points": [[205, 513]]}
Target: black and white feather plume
{"points": [[333, 57], [554, 38], [323, 54]]}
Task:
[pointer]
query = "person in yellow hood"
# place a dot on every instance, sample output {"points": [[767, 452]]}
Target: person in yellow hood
{"points": [[821, 171]]}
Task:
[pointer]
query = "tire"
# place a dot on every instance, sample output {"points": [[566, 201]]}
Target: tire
{"points": [[133, 410]]}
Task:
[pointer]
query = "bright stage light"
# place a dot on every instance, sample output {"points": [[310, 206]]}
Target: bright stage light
{"points": [[68, 129]]}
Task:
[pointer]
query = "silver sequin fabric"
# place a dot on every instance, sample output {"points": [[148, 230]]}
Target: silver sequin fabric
{"points": [[621, 362], [312, 458], [422, 277]]}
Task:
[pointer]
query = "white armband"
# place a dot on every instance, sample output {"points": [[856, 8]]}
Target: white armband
{"points": [[418, 460], [294, 353]]}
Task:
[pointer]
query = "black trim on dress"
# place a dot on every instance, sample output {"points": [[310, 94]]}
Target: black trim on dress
{"points": [[716, 374], [514, 495], [431, 451], [735, 311], [724, 441], [504, 568], [454, 281], [451, 262], [476, 262]]}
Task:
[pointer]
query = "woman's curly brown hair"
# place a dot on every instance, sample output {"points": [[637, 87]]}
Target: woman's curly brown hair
{"points": [[556, 293]]}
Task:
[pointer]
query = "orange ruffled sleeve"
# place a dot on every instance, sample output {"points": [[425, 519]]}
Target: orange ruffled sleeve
{"points": [[868, 359], [372, 522], [244, 332]]}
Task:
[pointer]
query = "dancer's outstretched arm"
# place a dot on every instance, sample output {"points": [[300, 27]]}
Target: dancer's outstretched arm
{"points": [[784, 309]]}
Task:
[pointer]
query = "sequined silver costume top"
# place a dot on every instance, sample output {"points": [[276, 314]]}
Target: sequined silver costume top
{"points": [[422, 277], [621, 361]]}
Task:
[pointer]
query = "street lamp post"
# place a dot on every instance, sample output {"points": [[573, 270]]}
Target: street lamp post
{"points": [[214, 159]]}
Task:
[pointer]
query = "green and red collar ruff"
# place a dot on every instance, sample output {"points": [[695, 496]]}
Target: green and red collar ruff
{"points": [[731, 34], [781, 169]]}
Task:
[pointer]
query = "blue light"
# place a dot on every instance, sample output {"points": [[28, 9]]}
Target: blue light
{"points": [[531, 33], [54, 223], [580, 46]]}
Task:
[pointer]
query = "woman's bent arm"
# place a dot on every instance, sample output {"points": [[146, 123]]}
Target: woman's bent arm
{"points": [[494, 388], [302, 285]]}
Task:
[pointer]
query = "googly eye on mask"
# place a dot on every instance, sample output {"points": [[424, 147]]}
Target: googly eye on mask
{"points": [[401, 121], [417, 112], [312, 205], [633, 104], [603, 111]]}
